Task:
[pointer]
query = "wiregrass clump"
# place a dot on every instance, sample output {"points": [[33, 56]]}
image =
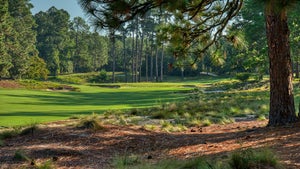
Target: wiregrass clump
{"points": [[254, 159], [22, 156], [18, 130], [91, 122]]}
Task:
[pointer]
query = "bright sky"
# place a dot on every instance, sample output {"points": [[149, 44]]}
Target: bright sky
{"points": [[69, 5]]}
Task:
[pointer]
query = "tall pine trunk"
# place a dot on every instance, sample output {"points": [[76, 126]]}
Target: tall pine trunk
{"points": [[124, 56], [141, 55], [156, 62], [132, 57], [146, 64], [136, 50], [151, 58], [162, 64], [282, 108], [113, 52]]}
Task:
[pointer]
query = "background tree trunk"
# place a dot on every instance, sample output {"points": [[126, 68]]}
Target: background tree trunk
{"points": [[162, 64], [132, 58], [141, 55], [113, 53], [151, 57], [146, 59], [124, 56], [282, 108]]}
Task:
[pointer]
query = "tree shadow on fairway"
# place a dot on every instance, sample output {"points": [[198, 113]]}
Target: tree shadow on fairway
{"points": [[58, 105], [147, 98], [30, 114]]}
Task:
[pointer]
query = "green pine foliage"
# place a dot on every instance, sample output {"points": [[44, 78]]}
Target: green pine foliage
{"points": [[25, 37], [5, 43], [18, 40], [37, 68], [52, 38]]}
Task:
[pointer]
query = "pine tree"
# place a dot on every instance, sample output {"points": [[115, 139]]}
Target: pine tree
{"points": [[25, 37], [5, 43], [82, 61], [282, 108], [53, 39]]}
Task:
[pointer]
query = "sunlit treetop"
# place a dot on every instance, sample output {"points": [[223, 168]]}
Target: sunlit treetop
{"points": [[196, 24]]}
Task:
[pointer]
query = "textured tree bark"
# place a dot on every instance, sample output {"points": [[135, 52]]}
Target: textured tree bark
{"points": [[282, 108]]}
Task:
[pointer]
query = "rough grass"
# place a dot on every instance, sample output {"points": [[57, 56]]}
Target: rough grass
{"points": [[243, 159], [256, 159], [203, 109]]}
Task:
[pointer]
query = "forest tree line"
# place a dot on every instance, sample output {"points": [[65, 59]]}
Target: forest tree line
{"points": [[52, 43]]}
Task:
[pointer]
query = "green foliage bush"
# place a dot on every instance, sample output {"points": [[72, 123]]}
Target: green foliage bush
{"points": [[103, 76], [69, 79], [37, 69], [243, 76]]}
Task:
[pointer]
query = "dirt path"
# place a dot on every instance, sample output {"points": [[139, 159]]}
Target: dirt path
{"points": [[75, 148]]}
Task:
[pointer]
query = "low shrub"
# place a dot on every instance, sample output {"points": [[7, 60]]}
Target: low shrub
{"points": [[243, 76], [100, 78]]}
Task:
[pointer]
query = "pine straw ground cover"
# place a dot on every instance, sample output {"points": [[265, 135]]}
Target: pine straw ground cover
{"points": [[72, 147]]}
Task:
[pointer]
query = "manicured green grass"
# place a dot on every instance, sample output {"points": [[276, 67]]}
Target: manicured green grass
{"points": [[173, 100], [23, 106]]}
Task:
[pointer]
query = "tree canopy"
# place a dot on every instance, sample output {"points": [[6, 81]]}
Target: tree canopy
{"points": [[194, 26]]}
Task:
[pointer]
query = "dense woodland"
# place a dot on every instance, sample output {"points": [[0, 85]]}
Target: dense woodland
{"points": [[51, 43]]}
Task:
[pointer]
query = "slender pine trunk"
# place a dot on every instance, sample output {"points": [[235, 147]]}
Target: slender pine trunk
{"points": [[162, 64]]}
